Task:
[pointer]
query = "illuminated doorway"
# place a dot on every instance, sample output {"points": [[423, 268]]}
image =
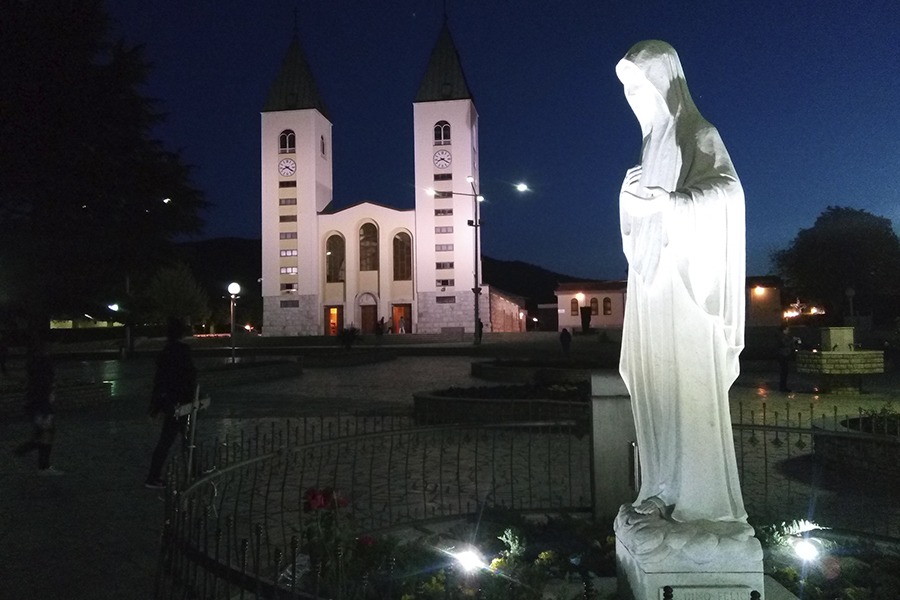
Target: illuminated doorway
{"points": [[401, 318], [334, 320]]}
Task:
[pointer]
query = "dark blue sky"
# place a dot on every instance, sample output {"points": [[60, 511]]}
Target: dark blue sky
{"points": [[806, 95]]}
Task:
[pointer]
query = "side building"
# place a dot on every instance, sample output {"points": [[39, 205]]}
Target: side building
{"points": [[325, 269]]}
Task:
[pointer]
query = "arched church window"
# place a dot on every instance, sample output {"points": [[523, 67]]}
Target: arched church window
{"points": [[334, 260], [287, 142], [441, 133], [402, 257], [595, 306], [573, 305], [368, 247], [607, 306]]}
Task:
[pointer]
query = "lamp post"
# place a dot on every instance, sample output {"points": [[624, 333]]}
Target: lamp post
{"points": [[475, 223], [234, 289]]}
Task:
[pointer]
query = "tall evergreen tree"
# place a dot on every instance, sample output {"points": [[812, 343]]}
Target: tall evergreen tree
{"points": [[88, 198]]}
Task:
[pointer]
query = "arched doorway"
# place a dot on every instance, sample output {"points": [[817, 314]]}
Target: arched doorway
{"points": [[368, 312]]}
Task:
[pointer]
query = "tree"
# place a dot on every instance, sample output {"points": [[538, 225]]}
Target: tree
{"points": [[87, 197], [846, 248], [174, 292]]}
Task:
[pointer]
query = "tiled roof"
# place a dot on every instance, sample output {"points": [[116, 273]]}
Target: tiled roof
{"points": [[294, 87], [444, 78]]}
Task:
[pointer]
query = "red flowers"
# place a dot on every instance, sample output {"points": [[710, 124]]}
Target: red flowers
{"points": [[317, 499]]}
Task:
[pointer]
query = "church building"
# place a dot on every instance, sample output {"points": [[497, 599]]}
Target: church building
{"points": [[324, 270]]}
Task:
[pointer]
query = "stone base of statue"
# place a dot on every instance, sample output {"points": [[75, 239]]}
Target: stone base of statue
{"points": [[660, 558]]}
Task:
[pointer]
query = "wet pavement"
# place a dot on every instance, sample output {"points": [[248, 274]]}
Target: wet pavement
{"points": [[93, 532]]}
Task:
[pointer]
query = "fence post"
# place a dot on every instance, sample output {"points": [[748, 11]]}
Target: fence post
{"points": [[612, 443]]}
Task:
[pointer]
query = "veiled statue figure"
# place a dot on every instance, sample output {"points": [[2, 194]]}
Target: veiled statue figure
{"points": [[682, 220]]}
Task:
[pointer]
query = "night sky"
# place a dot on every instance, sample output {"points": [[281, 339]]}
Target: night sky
{"points": [[806, 95]]}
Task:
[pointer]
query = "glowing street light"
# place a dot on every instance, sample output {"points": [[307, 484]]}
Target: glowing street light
{"points": [[234, 289]]}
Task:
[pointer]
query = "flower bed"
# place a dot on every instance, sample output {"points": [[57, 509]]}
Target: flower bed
{"points": [[538, 371], [503, 404]]}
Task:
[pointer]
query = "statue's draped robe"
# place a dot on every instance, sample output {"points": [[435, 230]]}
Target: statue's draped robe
{"points": [[684, 312]]}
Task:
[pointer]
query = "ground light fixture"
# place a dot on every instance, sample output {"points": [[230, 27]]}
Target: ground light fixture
{"points": [[469, 559]]}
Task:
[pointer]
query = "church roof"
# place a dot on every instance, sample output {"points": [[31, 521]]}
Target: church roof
{"points": [[444, 78], [294, 87]]}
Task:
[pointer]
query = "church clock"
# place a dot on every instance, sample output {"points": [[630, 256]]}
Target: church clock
{"points": [[287, 167], [442, 159]]}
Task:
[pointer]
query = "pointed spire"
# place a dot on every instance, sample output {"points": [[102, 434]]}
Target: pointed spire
{"points": [[444, 78], [294, 87]]}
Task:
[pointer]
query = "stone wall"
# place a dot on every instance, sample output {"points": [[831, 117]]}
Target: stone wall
{"points": [[858, 362], [300, 320], [434, 317]]}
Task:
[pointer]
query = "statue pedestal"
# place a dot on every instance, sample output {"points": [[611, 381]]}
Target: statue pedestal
{"points": [[700, 560]]}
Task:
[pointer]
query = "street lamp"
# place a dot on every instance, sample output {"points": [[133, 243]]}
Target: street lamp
{"points": [[234, 289], [475, 223]]}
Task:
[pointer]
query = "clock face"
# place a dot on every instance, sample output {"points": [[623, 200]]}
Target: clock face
{"points": [[442, 159], [287, 167]]}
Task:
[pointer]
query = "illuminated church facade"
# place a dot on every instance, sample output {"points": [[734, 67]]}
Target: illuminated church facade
{"points": [[324, 270]]}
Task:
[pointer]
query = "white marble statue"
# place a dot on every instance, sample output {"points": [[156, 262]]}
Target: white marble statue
{"points": [[682, 220]]}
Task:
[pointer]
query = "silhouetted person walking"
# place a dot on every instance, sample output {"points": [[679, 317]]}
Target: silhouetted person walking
{"points": [[565, 340], [173, 385], [39, 396]]}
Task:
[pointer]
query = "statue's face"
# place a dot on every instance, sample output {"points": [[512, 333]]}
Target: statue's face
{"points": [[642, 97]]}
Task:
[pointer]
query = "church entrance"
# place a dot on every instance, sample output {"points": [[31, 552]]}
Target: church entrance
{"points": [[334, 319], [368, 315], [401, 318]]}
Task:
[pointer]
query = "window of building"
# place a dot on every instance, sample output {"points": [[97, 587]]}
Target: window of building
{"points": [[445, 282], [287, 218], [443, 176], [290, 304], [574, 306], [443, 194], [334, 259], [288, 288], [287, 235], [287, 202], [287, 253], [287, 184], [445, 299], [443, 247], [368, 247], [402, 257], [595, 306], [322, 146], [443, 265], [443, 229], [607, 306], [287, 142], [288, 270], [443, 212], [441, 133]]}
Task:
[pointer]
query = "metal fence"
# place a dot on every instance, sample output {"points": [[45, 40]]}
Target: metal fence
{"points": [[241, 527]]}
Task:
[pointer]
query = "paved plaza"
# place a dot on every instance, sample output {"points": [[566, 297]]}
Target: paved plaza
{"points": [[93, 532]]}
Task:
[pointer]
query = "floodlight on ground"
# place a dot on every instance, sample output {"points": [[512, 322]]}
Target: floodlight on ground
{"points": [[469, 560], [805, 549]]}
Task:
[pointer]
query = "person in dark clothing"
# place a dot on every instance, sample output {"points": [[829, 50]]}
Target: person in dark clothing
{"points": [[786, 345], [479, 331], [173, 385], [39, 396], [565, 340]]}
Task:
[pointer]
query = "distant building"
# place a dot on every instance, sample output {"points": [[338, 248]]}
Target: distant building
{"points": [[326, 269], [605, 302]]}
